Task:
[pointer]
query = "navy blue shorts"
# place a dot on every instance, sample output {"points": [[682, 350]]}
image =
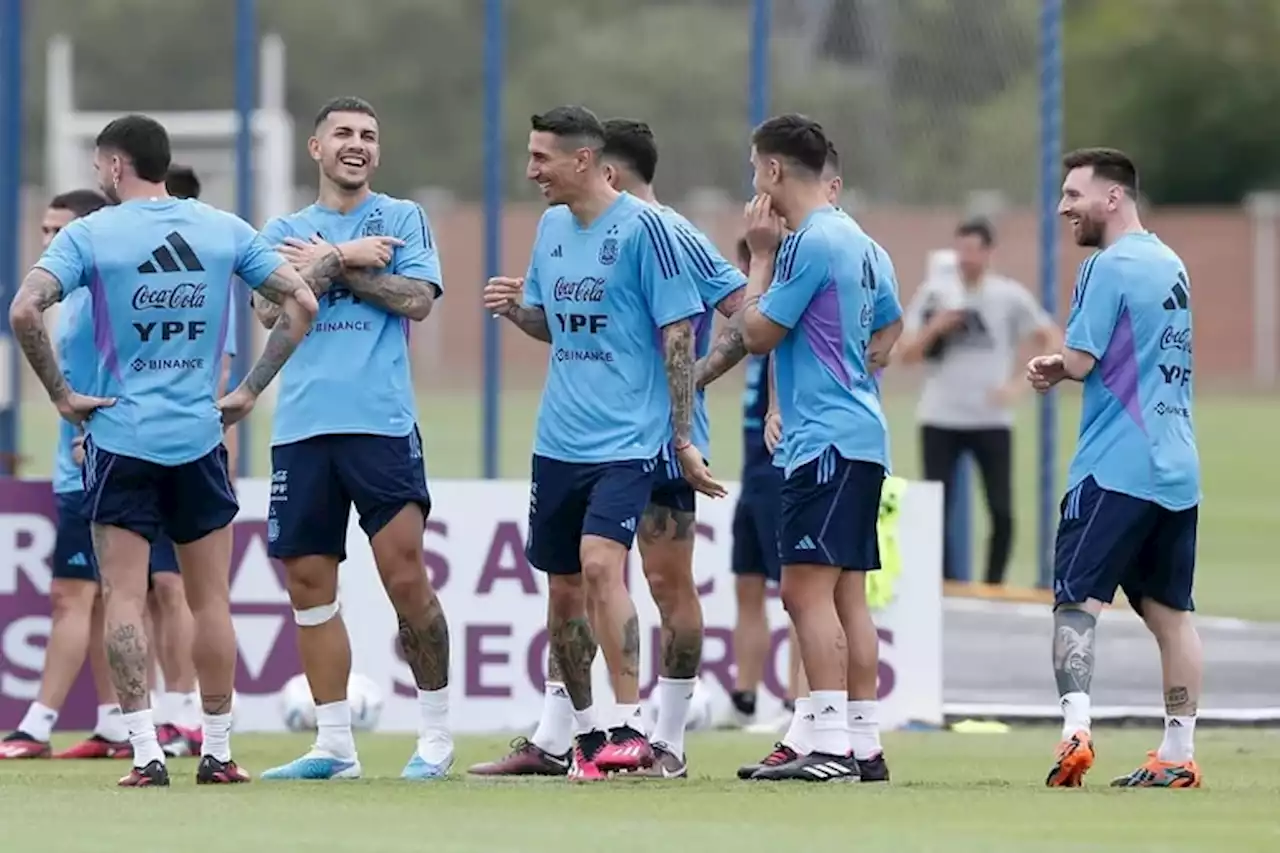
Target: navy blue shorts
{"points": [[1108, 540], [73, 557], [315, 482], [755, 527], [163, 556], [670, 489], [569, 500], [830, 507], [187, 502]]}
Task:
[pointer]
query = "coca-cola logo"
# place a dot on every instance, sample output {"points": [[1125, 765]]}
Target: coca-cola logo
{"points": [[1176, 339], [588, 289], [179, 297]]}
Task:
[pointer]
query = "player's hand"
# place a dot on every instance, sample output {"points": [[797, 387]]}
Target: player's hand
{"points": [[697, 473], [1045, 371], [764, 227], [301, 254], [236, 406], [772, 431], [369, 252], [77, 450], [503, 294], [78, 408]]}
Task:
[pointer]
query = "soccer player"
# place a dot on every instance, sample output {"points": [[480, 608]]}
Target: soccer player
{"points": [[77, 608], [666, 526], [346, 432], [158, 271], [604, 277], [818, 313], [1133, 491]]}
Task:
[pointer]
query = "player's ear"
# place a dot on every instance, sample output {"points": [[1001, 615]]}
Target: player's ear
{"points": [[313, 148]]}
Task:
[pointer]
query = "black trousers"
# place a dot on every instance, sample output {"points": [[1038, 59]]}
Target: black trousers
{"points": [[992, 449]]}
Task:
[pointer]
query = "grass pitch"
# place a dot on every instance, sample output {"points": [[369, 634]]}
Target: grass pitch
{"points": [[953, 793]]}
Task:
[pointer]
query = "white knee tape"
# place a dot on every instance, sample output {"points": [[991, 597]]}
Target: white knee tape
{"points": [[313, 616]]}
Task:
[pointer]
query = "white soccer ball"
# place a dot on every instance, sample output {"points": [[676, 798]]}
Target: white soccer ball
{"points": [[701, 711], [366, 702], [297, 708]]}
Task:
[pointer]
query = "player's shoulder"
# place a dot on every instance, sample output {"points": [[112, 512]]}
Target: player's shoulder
{"points": [[556, 216], [390, 204], [1134, 256]]}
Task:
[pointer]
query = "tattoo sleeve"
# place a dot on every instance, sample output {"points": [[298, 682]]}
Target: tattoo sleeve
{"points": [[424, 640], [286, 332], [574, 649], [38, 292], [1073, 641], [396, 294], [677, 341], [726, 351], [531, 321]]}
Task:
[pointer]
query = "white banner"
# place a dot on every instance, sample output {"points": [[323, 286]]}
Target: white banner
{"points": [[495, 603]]}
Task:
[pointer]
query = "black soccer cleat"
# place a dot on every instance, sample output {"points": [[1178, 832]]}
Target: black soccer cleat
{"points": [[154, 775], [214, 772], [781, 755], [873, 769], [814, 767]]}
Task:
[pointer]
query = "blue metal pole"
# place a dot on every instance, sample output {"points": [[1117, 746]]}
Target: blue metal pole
{"points": [[1050, 157], [493, 71], [246, 84], [758, 62], [10, 207]]}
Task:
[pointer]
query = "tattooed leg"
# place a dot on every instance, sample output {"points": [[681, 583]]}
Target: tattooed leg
{"points": [[424, 631], [617, 628], [1073, 649], [666, 548], [424, 640], [122, 559], [571, 646]]}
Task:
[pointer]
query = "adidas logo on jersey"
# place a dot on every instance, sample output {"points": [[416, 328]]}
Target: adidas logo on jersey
{"points": [[805, 544], [557, 252], [629, 524], [163, 260], [1179, 300]]}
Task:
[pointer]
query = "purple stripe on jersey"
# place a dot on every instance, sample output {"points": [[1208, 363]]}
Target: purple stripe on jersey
{"points": [[103, 337], [1119, 366], [223, 327], [404, 327], [823, 330]]}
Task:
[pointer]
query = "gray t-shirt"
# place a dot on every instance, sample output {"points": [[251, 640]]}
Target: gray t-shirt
{"points": [[978, 356]]}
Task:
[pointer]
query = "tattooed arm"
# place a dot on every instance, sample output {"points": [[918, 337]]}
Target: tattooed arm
{"points": [[677, 342], [317, 273], [728, 348], [396, 294], [531, 321], [39, 291], [297, 309]]}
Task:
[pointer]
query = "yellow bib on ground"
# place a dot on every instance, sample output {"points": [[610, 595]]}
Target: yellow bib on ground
{"points": [[881, 584]]}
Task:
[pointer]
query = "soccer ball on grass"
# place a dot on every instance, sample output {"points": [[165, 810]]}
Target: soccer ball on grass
{"points": [[298, 709]]}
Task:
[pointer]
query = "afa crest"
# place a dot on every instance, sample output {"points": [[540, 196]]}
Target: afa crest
{"points": [[373, 226], [609, 251]]}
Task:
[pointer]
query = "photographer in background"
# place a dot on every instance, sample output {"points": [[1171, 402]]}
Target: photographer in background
{"points": [[967, 327]]}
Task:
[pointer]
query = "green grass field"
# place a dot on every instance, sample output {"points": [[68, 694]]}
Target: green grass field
{"points": [[953, 793], [1239, 532]]}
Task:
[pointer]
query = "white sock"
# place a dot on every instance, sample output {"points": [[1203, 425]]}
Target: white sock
{"points": [[830, 721], [1179, 739], [38, 722], [333, 729], [630, 716], [1075, 714], [674, 697], [162, 708], [555, 728], [585, 720], [435, 742], [217, 736], [864, 729], [187, 710], [799, 735], [110, 724], [142, 734]]}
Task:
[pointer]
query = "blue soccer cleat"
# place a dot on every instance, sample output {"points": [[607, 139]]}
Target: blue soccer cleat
{"points": [[420, 770], [316, 766]]}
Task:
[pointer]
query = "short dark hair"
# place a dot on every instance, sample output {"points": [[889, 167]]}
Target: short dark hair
{"points": [[345, 104], [1109, 163], [979, 227], [632, 142], [181, 182], [570, 122], [79, 202], [143, 140], [744, 251], [833, 157], [795, 137]]}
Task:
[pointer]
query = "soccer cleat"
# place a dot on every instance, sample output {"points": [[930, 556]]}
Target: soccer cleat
{"points": [[179, 742], [316, 766], [814, 767], [419, 769], [627, 750], [1073, 759], [873, 769], [586, 748], [96, 746], [525, 759], [781, 755], [214, 772], [1161, 774], [666, 765], [23, 745], [154, 775]]}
